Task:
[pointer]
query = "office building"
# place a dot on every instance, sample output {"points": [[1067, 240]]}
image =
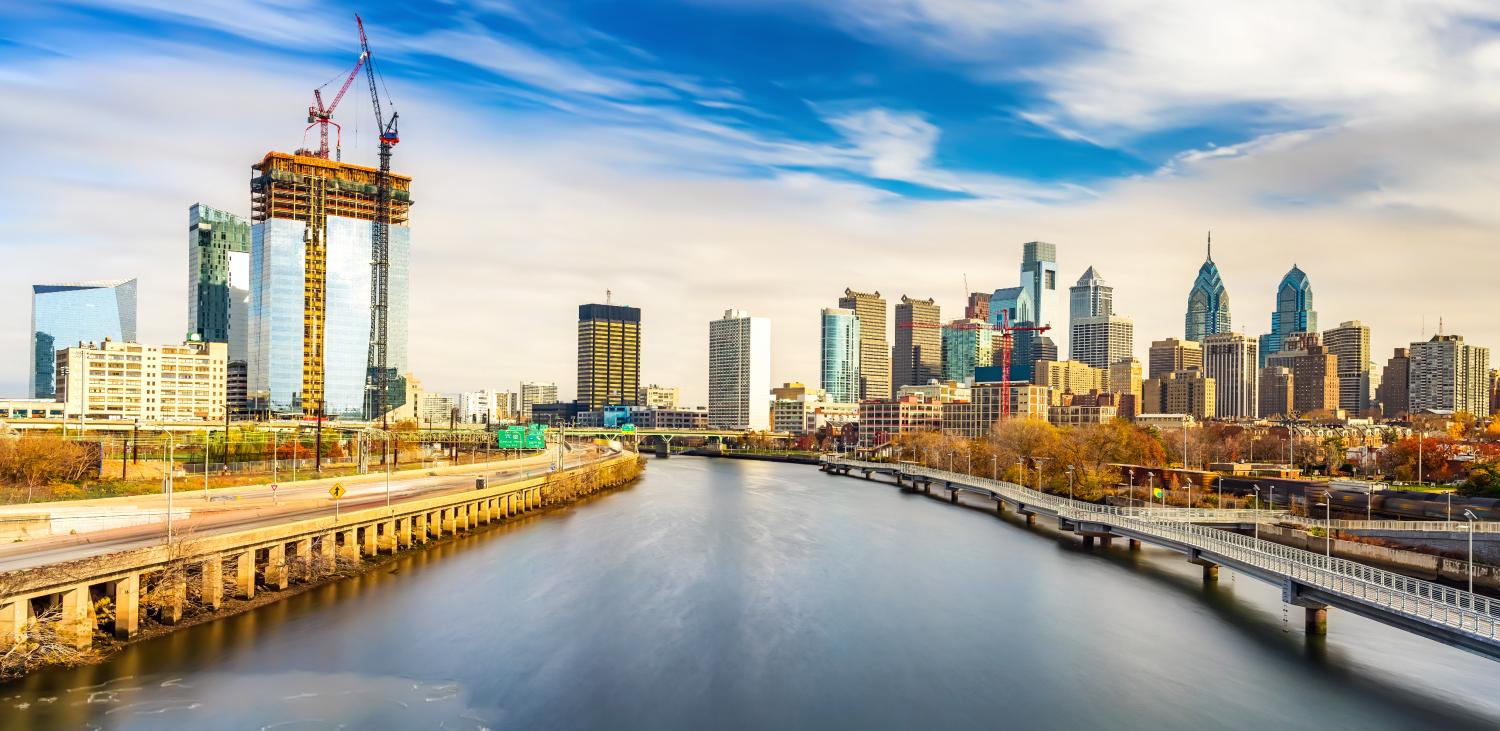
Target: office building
{"points": [[918, 356], [130, 381], [665, 397], [487, 406], [985, 407], [1102, 340], [874, 349], [943, 392], [64, 315], [1393, 395], [1124, 377], [739, 372], [967, 344], [436, 410], [313, 324], [1180, 392], [1293, 314], [1208, 303], [535, 393], [978, 307], [1350, 343], [1090, 297], [1448, 375], [1084, 409], [840, 354], [609, 355], [219, 278], [560, 413], [1315, 373], [1039, 278], [880, 420], [1068, 376], [1277, 392], [1230, 360], [1172, 354], [796, 389]]}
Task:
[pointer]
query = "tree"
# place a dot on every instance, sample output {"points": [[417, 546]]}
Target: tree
{"points": [[1483, 481]]}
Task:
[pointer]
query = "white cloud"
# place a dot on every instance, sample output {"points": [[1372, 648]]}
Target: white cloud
{"points": [[896, 145]]}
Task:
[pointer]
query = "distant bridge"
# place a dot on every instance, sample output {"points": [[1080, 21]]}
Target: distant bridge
{"points": [[669, 434], [1311, 580]]}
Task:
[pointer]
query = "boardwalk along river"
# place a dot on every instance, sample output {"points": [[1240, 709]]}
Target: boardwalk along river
{"points": [[726, 594]]}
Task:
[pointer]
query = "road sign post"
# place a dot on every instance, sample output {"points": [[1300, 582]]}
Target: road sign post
{"points": [[337, 491], [274, 501]]}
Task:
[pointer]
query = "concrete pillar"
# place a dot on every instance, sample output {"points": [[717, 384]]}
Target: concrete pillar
{"points": [[275, 572], [303, 550], [1030, 519], [419, 532], [77, 623], [385, 540], [999, 507], [447, 525], [244, 574], [350, 550], [323, 560], [1134, 545], [492, 506], [1317, 621], [461, 517], [1210, 572], [367, 546], [173, 590], [1106, 541], [125, 594], [481, 511], [403, 533], [13, 619], [926, 487], [212, 577], [1088, 541], [953, 496]]}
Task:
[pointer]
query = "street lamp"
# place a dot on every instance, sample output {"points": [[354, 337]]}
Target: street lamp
{"points": [[1327, 532], [1130, 494], [1021, 465], [1257, 520], [1070, 483], [1470, 515], [994, 468], [1151, 488], [1189, 482]]}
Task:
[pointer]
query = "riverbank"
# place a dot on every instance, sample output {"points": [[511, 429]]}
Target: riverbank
{"points": [[180, 591]]}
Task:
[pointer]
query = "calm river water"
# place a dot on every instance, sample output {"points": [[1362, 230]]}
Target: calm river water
{"points": [[718, 594]]}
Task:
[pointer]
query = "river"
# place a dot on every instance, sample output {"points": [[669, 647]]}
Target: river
{"points": [[728, 594]]}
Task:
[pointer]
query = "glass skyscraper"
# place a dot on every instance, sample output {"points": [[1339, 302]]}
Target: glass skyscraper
{"points": [[839, 359], [1039, 277], [63, 315], [1014, 306], [218, 278], [1208, 303], [1293, 313]]}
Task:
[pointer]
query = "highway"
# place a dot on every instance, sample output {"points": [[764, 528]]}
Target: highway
{"points": [[233, 509]]}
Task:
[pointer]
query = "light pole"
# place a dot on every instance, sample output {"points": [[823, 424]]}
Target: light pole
{"points": [[1327, 532], [994, 468], [205, 463], [1070, 483], [1450, 507], [275, 458], [1470, 515], [387, 470], [169, 464], [1271, 500], [1038, 461], [969, 468], [1151, 487], [1021, 465], [1257, 520], [1189, 482], [1130, 493]]}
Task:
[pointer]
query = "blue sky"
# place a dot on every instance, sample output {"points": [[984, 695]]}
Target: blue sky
{"points": [[698, 155]]}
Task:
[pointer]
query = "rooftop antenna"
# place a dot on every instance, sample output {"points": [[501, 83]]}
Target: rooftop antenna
{"points": [[1210, 245]]}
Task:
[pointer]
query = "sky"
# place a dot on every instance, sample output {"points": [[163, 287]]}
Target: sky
{"points": [[694, 156]]}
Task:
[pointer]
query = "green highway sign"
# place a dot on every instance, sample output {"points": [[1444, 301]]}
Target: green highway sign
{"points": [[627, 428]]}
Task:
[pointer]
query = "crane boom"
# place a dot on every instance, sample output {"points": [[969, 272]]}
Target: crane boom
{"points": [[322, 116], [378, 381]]}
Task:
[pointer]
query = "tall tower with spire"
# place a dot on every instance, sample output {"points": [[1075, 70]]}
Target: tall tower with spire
{"points": [[1293, 314], [1208, 303]]}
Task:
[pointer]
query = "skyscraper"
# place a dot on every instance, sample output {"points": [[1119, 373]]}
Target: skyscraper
{"points": [[609, 355], [536, 393], [739, 371], [219, 278], [1277, 392], [1187, 392], [1447, 374], [1039, 278], [1350, 342], [64, 315], [1208, 303], [1102, 341], [311, 247], [978, 307], [1172, 354], [839, 355], [874, 349], [1014, 306], [918, 356], [1293, 314], [1230, 360], [1315, 372], [1393, 394], [1090, 297], [967, 344]]}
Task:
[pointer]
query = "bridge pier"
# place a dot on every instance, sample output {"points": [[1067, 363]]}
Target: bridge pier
{"points": [[1316, 621], [1030, 519], [302, 551], [244, 574], [403, 533], [275, 572], [172, 584], [367, 546], [13, 619], [953, 495], [125, 594], [927, 487], [1210, 573], [77, 623], [1134, 545], [1088, 541], [420, 533], [1107, 541], [322, 555], [446, 527], [349, 549], [999, 506], [212, 576]]}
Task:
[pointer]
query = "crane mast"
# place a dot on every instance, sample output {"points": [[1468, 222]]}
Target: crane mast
{"points": [[378, 385]]}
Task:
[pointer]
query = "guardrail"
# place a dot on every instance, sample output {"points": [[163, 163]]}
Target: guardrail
{"points": [[1458, 610], [1450, 526]]}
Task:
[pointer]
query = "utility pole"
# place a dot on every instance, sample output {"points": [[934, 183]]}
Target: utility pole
{"points": [[318, 441]]}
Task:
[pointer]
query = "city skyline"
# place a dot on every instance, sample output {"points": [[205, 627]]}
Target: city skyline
{"points": [[839, 172]]}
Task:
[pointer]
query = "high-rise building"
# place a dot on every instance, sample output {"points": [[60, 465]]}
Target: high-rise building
{"points": [[1172, 354], [1037, 347], [739, 372], [1039, 277], [533, 394], [839, 355], [1090, 297], [1446, 374], [918, 355], [486, 406], [1350, 343], [1102, 340], [219, 278], [436, 410], [64, 315], [1068, 376], [967, 344], [662, 397], [1315, 373], [1393, 396], [1124, 376], [874, 349], [978, 307], [312, 338], [1180, 392], [1012, 306], [1277, 392], [1230, 360], [1208, 303], [609, 355], [1293, 314], [127, 381]]}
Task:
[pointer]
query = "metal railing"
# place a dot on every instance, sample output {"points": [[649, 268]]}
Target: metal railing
{"points": [[1455, 609], [1450, 526]]}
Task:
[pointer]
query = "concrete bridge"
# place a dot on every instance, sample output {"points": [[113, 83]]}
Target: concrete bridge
{"points": [[1310, 580], [240, 561]]}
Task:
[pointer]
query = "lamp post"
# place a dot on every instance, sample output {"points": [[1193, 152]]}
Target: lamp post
{"points": [[1021, 465], [1189, 481], [1130, 493], [1271, 500], [1470, 515], [388, 464], [994, 468], [1070, 483], [205, 463], [168, 465], [1257, 520], [1327, 532], [1151, 487]]}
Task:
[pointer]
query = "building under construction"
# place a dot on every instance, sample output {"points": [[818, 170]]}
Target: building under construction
{"points": [[311, 287]]}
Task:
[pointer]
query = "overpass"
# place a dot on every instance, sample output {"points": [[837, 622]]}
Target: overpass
{"points": [[1310, 580], [668, 434]]}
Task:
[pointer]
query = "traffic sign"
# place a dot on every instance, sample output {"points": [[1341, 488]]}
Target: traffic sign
{"points": [[337, 491], [627, 428], [273, 487]]}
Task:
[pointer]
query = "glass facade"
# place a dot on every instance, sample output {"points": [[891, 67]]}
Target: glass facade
{"points": [[840, 355], [218, 267], [967, 345], [1208, 303], [1293, 314], [63, 315], [346, 334], [277, 269]]}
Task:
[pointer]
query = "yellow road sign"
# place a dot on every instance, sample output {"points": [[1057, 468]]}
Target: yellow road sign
{"points": [[337, 491]]}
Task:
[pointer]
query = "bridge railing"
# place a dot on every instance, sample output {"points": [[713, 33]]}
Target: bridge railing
{"points": [[1451, 526], [1428, 601]]}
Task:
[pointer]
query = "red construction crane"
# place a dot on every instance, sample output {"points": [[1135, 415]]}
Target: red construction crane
{"points": [[322, 116], [1007, 344]]}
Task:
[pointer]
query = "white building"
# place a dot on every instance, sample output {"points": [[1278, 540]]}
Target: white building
{"points": [[1230, 359], [434, 410], [739, 371], [1103, 340], [114, 380], [1446, 374], [533, 394], [487, 406], [664, 397]]}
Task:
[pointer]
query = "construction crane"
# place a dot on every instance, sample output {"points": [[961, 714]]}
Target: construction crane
{"points": [[380, 264], [1007, 345], [322, 116]]}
